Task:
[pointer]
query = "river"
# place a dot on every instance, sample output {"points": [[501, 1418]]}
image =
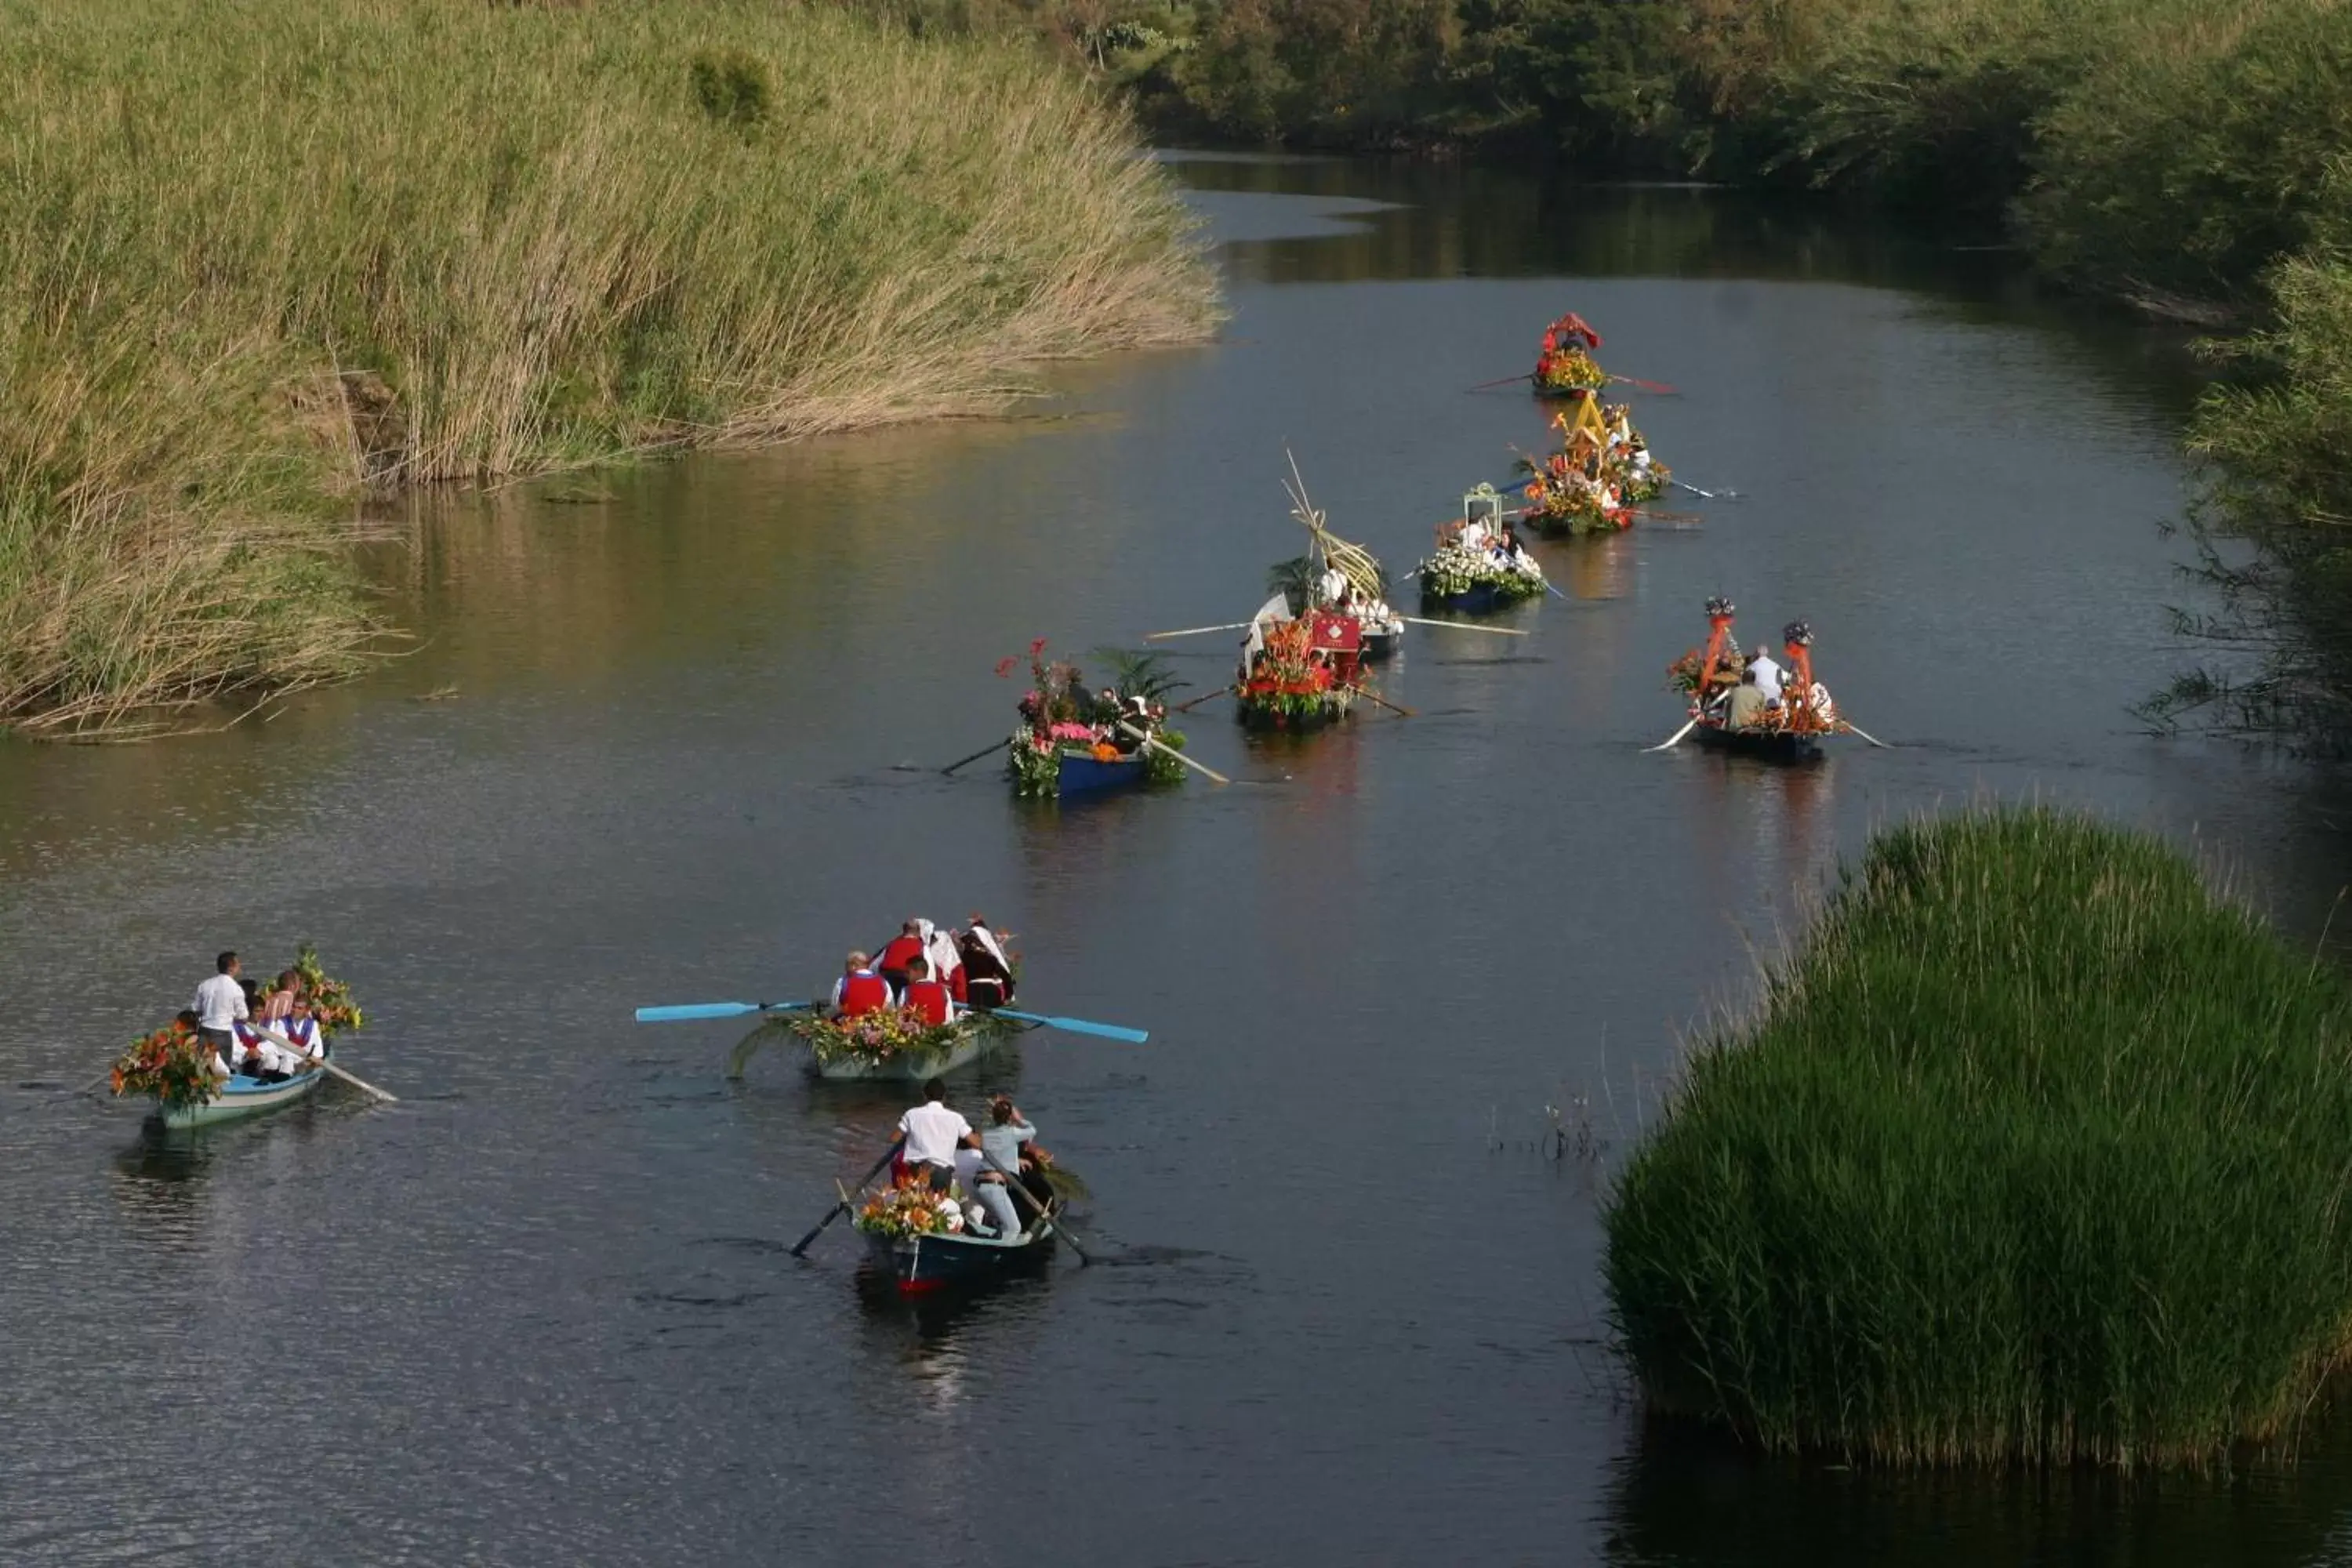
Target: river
{"points": [[674, 734]]}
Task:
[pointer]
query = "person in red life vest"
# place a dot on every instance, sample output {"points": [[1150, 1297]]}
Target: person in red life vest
{"points": [[895, 957], [928, 999], [860, 991]]}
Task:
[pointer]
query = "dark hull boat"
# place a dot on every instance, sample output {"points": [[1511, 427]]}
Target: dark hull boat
{"points": [[926, 1263], [1769, 745]]}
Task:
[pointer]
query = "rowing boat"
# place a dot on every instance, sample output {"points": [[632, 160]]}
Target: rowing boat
{"points": [[959, 1045], [890, 1046], [1083, 773], [933, 1262], [242, 1095], [1770, 745]]}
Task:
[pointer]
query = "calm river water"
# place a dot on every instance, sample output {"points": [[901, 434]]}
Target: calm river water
{"points": [[1349, 1310]]}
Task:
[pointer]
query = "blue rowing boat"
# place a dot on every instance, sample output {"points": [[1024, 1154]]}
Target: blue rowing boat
{"points": [[243, 1096], [1084, 774]]}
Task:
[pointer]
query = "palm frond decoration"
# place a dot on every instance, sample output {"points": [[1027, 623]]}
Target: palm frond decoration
{"points": [[1066, 1183], [1293, 579], [1141, 672]]}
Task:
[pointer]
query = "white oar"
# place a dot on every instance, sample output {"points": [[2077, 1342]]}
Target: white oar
{"points": [[1196, 631], [352, 1079], [1466, 626], [1850, 724], [1172, 751], [1672, 737]]}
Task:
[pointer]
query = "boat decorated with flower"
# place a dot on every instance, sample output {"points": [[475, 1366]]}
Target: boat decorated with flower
{"points": [[1297, 674], [924, 1239], [1478, 567], [891, 1044], [1072, 742], [174, 1067], [1601, 473], [1788, 728], [1564, 364]]}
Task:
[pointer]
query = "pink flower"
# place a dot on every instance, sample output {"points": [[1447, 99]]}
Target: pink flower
{"points": [[1036, 647], [1004, 666]]}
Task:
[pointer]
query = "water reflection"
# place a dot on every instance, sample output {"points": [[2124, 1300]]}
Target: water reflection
{"points": [[1681, 1498]]}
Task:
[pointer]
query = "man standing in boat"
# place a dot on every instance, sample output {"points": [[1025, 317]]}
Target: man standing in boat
{"points": [[220, 1007], [1767, 673], [988, 973], [929, 1135]]}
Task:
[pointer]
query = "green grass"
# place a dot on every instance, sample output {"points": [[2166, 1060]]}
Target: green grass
{"points": [[2037, 1151], [266, 254]]}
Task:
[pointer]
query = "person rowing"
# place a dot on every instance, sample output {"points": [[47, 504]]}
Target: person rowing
{"points": [[929, 1134], [1749, 706], [860, 990], [925, 997], [1766, 672], [1000, 1145]]}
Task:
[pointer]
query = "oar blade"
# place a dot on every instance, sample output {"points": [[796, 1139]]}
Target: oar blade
{"points": [[685, 1011], [1078, 1026]]}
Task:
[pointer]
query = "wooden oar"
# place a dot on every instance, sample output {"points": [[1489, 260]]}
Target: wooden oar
{"points": [[1196, 631], [842, 1207], [1466, 626], [977, 755], [1668, 742], [265, 1032], [1013, 1180], [686, 1010], [1188, 706], [1073, 1025], [1711, 495], [1506, 381], [1865, 734], [1376, 697], [1172, 751]]}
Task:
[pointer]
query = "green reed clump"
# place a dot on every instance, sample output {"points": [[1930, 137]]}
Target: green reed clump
{"points": [[262, 256], [2036, 1150]]}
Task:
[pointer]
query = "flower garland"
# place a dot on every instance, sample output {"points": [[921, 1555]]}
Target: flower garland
{"points": [[1568, 367], [1455, 570], [886, 1034], [331, 999], [911, 1208], [171, 1064]]}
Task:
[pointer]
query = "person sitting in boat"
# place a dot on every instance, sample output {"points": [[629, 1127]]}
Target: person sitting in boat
{"points": [[928, 1136], [1750, 706], [301, 1032], [988, 973], [899, 953], [276, 1005], [860, 990], [1003, 1143], [1767, 673], [926, 997]]}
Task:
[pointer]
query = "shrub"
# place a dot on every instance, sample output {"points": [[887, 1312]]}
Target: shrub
{"points": [[2036, 1150]]}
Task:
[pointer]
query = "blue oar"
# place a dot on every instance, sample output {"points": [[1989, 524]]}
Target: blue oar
{"points": [[714, 1010], [1077, 1025]]}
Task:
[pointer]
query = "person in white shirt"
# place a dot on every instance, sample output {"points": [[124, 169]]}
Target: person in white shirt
{"points": [[220, 1003], [1767, 673], [929, 1135], [304, 1046], [1333, 586]]}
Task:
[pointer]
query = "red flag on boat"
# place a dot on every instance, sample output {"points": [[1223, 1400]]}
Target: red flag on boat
{"points": [[1331, 633]]}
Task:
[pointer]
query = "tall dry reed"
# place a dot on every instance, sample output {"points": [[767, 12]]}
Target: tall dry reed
{"points": [[262, 255]]}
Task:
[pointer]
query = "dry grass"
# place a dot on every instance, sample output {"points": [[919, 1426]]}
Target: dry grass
{"points": [[266, 255]]}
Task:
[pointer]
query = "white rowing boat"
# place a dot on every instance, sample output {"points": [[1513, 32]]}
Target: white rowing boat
{"points": [[243, 1096]]}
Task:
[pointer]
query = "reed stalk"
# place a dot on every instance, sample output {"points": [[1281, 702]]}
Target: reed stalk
{"points": [[2035, 1151], [265, 256]]}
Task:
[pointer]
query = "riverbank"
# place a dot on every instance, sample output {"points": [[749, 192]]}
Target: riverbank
{"points": [[2032, 1153], [439, 240]]}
